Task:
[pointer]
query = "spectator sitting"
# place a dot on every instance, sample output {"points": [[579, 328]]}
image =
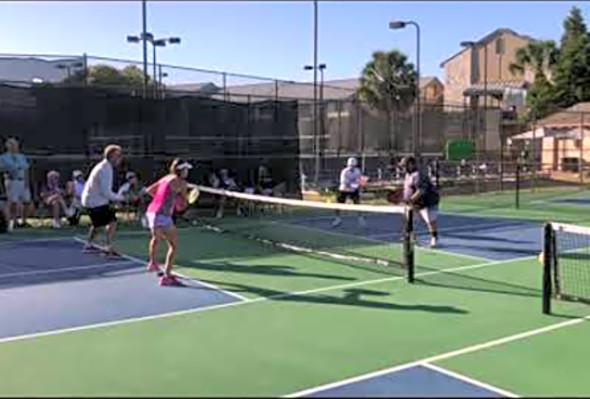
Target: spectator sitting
{"points": [[132, 191], [215, 182], [265, 183], [228, 182], [53, 196], [74, 190]]}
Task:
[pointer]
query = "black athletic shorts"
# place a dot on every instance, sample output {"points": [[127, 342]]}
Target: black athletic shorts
{"points": [[102, 215], [355, 196]]}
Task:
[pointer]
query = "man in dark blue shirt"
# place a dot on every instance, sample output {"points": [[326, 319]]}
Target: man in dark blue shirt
{"points": [[421, 194]]}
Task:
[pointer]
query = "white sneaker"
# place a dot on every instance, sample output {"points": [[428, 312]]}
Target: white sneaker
{"points": [[337, 222], [362, 222], [10, 225], [56, 224], [433, 242]]}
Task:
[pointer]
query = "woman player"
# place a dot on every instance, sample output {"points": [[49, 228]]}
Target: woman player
{"points": [[168, 195]]}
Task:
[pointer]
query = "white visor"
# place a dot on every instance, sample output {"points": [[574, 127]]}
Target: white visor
{"points": [[351, 162], [184, 165]]}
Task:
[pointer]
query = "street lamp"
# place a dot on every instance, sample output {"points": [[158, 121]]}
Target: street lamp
{"points": [[148, 37], [418, 129]]}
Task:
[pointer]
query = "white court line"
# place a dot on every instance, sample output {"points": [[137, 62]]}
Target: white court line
{"points": [[382, 242], [64, 269], [470, 380], [204, 284], [443, 356], [250, 301]]}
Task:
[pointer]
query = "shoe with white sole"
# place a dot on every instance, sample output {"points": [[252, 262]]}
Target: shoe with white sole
{"points": [[433, 242]]}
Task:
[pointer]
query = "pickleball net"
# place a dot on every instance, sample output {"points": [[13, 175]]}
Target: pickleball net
{"points": [[566, 264], [308, 228]]}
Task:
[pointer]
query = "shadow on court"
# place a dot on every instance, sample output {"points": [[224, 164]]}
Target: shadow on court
{"points": [[269, 270], [477, 284], [347, 297]]}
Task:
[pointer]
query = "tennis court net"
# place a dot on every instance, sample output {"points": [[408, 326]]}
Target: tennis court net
{"points": [[379, 238], [566, 260]]}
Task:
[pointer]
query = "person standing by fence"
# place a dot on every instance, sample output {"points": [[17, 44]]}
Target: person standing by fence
{"points": [[15, 166]]}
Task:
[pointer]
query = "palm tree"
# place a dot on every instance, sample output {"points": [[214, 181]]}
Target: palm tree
{"points": [[388, 83], [538, 55]]}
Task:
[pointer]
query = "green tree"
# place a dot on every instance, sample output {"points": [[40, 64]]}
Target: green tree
{"points": [[106, 75], [387, 84], [571, 76], [133, 76], [539, 56]]}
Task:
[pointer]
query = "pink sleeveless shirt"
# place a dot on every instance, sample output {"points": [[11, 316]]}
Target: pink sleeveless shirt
{"points": [[163, 201]]}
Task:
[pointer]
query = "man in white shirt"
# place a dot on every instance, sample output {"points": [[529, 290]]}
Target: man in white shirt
{"points": [[98, 193], [350, 184]]}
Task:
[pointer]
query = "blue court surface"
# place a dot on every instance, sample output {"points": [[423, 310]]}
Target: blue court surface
{"points": [[416, 381], [573, 201], [483, 237], [53, 285]]}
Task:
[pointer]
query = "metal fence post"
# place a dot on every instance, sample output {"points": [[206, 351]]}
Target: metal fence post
{"points": [[224, 83], [85, 66], [581, 159], [534, 153]]}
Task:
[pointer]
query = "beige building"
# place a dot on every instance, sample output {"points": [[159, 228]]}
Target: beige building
{"points": [[487, 60]]}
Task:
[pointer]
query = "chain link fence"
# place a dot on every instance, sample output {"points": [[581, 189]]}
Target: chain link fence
{"points": [[221, 117]]}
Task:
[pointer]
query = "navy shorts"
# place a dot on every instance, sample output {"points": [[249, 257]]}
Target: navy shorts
{"points": [[102, 215], [355, 196]]}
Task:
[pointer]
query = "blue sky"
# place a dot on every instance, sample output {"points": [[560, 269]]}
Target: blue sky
{"points": [[268, 38]]}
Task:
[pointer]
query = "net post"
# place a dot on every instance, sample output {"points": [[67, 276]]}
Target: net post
{"points": [[548, 255], [517, 190], [408, 246]]}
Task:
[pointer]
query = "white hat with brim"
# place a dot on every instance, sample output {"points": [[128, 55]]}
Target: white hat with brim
{"points": [[184, 165], [352, 162]]}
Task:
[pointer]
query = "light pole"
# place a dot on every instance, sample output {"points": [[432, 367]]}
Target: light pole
{"points": [[321, 68], [418, 129], [161, 76], [148, 37], [315, 90]]}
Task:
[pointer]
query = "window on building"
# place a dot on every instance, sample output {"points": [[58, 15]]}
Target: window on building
{"points": [[500, 46]]}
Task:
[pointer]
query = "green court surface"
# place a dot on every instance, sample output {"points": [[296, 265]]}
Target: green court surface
{"points": [[305, 321]]}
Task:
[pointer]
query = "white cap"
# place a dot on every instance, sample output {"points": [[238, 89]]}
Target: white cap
{"points": [[77, 173], [184, 165], [351, 163]]}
